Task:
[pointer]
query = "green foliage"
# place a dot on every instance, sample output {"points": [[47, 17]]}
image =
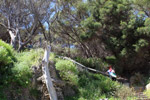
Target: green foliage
{"points": [[147, 93], [120, 7], [52, 57], [124, 33], [20, 73], [7, 59], [81, 8], [91, 86], [2, 95], [68, 71], [22, 68], [6, 54], [141, 43], [142, 5], [95, 63], [147, 22], [96, 86], [34, 92], [124, 92], [111, 59]]}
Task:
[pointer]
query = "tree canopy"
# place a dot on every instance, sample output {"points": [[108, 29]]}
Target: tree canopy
{"points": [[96, 28]]}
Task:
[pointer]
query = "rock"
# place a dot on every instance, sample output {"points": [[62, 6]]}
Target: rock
{"points": [[148, 86]]}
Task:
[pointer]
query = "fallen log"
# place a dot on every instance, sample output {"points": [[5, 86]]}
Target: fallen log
{"points": [[84, 67]]}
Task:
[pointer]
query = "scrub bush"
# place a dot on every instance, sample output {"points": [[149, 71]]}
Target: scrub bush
{"points": [[7, 59], [68, 71]]}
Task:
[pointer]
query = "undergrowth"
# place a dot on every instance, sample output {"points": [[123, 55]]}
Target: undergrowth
{"points": [[92, 86], [22, 68], [95, 63], [89, 86], [96, 87], [68, 71], [15, 68]]}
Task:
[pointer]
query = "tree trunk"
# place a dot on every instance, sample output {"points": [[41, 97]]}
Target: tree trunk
{"points": [[46, 74], [13, 38], [12, 32]]}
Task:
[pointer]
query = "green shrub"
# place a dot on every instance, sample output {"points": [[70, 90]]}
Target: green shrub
{"points": [[147, 93], [7, 59], [68, 71], [96, 86], [95, 63], [2, 95], [20, 73], [111, 59], [6, 54], [124, 93], [34, 92], [52, 57], [22, 68]]}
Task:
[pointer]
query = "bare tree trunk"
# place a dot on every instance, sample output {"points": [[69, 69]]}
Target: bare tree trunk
{"points": [[69, 47], [13, 34], [46, 74], [19, 41], [13, 38]]}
